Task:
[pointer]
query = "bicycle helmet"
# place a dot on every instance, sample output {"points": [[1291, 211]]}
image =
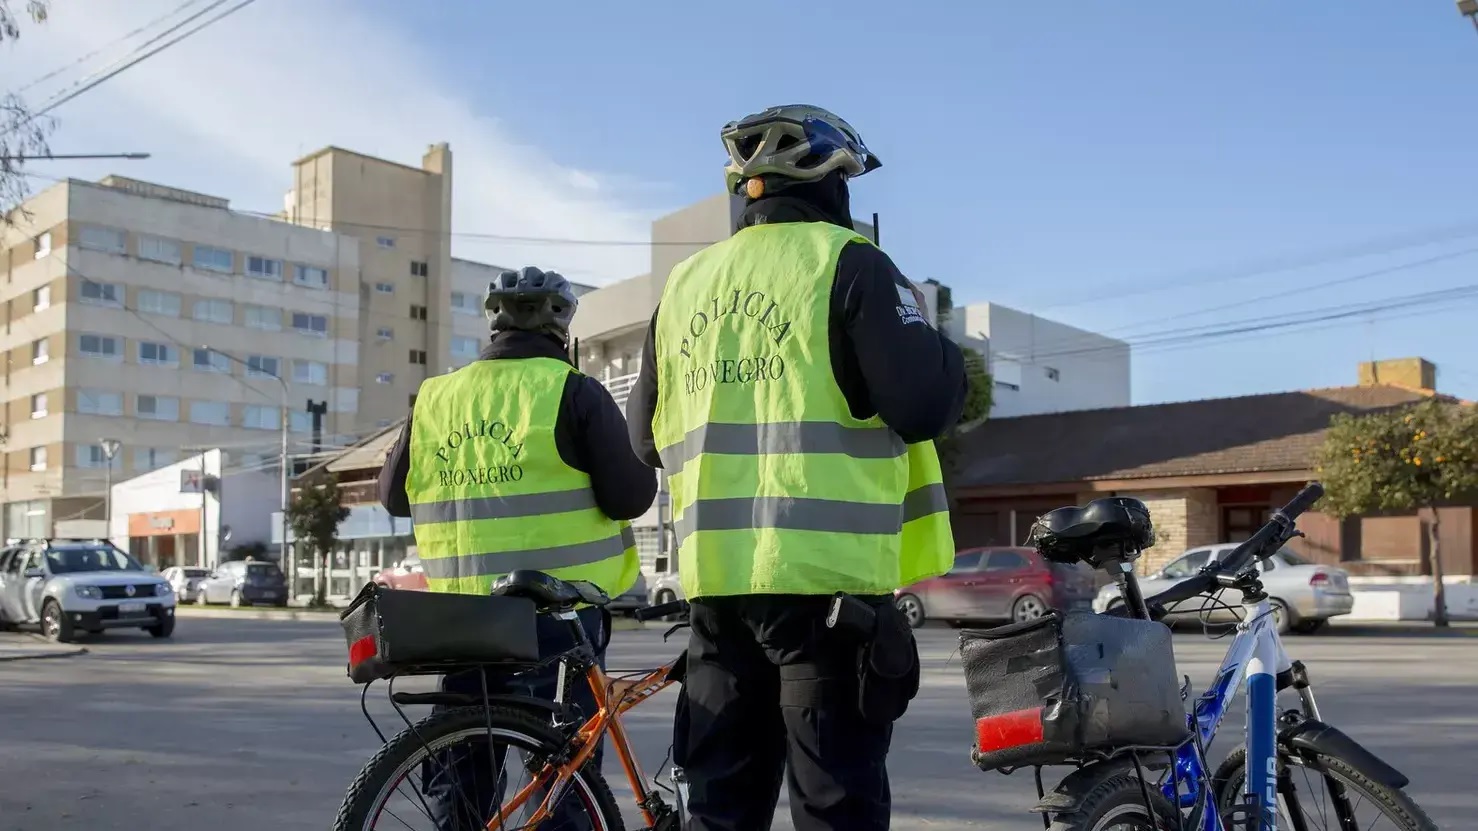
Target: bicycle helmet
{"points": [[531, 300], [795, 143]]}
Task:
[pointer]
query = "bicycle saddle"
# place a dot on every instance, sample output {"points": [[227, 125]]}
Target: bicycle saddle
{"points": [[1117, 526], [547, 591]]}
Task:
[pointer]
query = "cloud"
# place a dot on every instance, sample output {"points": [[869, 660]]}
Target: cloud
{"points": [[226, 112]]}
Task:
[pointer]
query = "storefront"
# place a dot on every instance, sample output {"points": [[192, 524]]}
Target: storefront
{"points": [[165, 538]]}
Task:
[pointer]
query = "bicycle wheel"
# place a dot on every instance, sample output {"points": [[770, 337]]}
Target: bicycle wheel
{"points": [[1117, 804], [398, 776], [1375, 806]]}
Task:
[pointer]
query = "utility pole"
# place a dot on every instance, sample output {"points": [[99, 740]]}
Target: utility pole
{"points": [[110, 449]]}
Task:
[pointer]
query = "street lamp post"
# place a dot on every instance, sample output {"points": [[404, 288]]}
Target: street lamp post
{"points": [[1469, 9], [110, 449]]}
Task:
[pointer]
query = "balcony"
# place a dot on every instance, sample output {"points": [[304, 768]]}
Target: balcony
{"points": [[619, 387]]}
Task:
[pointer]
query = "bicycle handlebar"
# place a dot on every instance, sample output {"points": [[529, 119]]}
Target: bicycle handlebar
{"points": [[1278, 530], [671, 607]]}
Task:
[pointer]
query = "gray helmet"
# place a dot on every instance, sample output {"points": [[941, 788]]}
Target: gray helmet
{"points": [[796, 142], [531, 300]]}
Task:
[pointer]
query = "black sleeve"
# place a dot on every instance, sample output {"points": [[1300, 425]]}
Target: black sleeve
{"points": [[642, 403], [624, 487], [392, 474], [887, 359]]}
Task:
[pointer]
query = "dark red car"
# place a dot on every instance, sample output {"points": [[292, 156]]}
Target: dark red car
{"points": [[998, 584]]}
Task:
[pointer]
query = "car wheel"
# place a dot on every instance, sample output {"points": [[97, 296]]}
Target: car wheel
{"points": [[1309, 627], [163, 629], [1028, 607], [235, 599], [55, 625], [1283, 617], [666, 596], [200, 599], [912, 609]]}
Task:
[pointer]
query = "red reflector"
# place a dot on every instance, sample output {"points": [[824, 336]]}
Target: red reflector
{"points": [[361, 649], [1008, 730]]}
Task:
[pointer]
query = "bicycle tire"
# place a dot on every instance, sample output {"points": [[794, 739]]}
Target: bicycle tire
{"points": [[516, 727], [1120, 793], [1393, 801]]}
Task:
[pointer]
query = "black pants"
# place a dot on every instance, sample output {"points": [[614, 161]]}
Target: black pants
{"points": [[747, 657], [461, 785]]}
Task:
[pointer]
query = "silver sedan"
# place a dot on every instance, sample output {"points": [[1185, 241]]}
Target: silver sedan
{"points": [[1304, 595]]}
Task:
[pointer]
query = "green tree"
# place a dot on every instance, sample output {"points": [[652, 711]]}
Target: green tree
{"points": [[1412, 459], [314, 516], [22, 134], [978, 401]]}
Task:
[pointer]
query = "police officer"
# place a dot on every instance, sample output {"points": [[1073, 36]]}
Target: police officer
{"points": [[791, 387], [518, 460]]}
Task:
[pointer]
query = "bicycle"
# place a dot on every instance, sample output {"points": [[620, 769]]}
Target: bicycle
{"points": [[1254, 787], [559, 742]]}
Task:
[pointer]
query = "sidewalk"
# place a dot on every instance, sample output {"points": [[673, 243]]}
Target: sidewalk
{"points": [[26, 646], [318, 615], [1338, 627]]}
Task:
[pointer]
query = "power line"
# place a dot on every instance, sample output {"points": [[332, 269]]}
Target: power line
{"points": [[105, 47]]}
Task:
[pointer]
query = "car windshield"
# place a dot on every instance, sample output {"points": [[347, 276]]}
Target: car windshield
{"points": [[73, 560], [195, 572], [263, 570]]}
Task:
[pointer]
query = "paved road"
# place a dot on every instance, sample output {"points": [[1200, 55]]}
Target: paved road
{"points": [[244, 724]]}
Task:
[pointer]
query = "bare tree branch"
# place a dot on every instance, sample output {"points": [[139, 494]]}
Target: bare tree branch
{"points": [[21, 133]]}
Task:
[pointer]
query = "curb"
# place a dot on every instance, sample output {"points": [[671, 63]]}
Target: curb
{"points": [[8, 655], [617, 625]]}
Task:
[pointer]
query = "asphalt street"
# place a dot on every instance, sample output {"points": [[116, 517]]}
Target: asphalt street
{"points": [[250, 724]]}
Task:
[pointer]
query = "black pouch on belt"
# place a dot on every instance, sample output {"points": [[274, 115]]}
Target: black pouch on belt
{"points": [[887, 655]]}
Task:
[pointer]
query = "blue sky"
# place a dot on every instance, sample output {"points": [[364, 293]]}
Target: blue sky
{"points": [[1124, 167]]}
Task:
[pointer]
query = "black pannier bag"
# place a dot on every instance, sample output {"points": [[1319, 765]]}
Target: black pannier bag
{"points": [[1066, 686], [394, 631]]}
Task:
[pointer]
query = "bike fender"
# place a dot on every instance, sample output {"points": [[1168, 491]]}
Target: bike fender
{"points": [[1067, 797], [1317, 737]]}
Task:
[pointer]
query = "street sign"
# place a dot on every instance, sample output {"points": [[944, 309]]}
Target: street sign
{"points": [[190, 481]]}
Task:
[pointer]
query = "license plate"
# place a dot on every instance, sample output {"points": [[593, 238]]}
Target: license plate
{"points": [[131, 609]]}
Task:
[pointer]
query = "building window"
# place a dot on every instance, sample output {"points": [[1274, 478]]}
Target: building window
{"points": [[158, 354], [101, 294], [385, 333], [152, 458], [101, 239], [160, 250], [464, 347], [310, 276], [385, 288], [215, 413], [91, 455], [100, 402], [464, 303], [385, 378], [164, 303], [263, 366], [344, 400], [261, 317], [40, 351], [420, 269], [418, 356], [157, 407], [38, 405], [209, 360], [213, 310], [385, 242], [214, 259], [43, 245], [309, 372], [41, 298], [300, 422], [100, 346], [306, 324], [418, 312], [264, 268], [258, 417], [38, 458]]}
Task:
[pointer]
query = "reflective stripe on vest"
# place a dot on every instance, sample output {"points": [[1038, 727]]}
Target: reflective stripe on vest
{"points": [[489, 492], [776, 488]]}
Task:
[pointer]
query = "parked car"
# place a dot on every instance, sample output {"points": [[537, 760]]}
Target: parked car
{"points": [[1304, 595], [998, 583], [244, 583], [71, 586], [406, 574], [185, 580], [665, 588], [633, 598]]}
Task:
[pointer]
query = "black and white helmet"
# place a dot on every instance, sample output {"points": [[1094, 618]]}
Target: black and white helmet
{"points": [[531, 300], [797, 142]]}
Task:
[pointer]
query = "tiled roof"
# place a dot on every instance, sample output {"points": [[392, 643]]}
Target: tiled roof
{"points": [[367, 455], [1253, 433]]}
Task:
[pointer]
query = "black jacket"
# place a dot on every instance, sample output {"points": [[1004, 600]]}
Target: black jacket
{"points": [[589, 433], [886, 363]]}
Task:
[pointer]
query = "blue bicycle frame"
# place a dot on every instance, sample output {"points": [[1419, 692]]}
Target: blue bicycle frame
{"points": [[1256, 652]]}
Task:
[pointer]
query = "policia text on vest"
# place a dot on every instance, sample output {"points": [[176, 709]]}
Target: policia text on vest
{"points": [[480, 430], [751, 308]]}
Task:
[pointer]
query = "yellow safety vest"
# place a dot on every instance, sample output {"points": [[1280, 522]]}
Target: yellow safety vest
{"points": [[776, 488], [489, 492]]}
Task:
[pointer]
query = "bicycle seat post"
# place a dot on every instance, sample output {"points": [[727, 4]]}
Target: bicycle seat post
{"points": [[1122, 569]]}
